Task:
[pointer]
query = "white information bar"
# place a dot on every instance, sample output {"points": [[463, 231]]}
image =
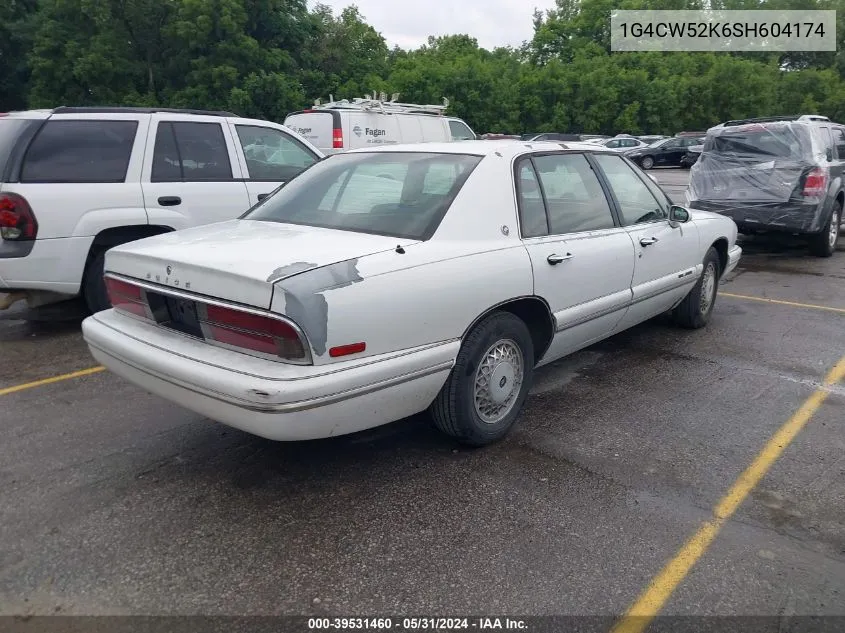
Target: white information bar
{"points": [[723, 31]]}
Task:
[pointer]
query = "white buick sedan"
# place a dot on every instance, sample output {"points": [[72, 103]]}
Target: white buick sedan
{"points": [[384, 282]]}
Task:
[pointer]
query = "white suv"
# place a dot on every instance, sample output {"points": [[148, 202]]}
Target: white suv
{"points": [[75, 182]]}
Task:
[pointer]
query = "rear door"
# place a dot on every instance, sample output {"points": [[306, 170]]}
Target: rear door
{"points": [[582, 260], [191, 173], [269, 155], [317, 127], [667, 258], [460, 131]]}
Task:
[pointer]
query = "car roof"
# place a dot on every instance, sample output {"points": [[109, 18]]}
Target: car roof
{"points": [[508, 147]]}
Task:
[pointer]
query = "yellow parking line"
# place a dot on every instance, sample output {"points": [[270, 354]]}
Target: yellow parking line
{"points": [[794, 304], [48, 381], [661, 588]]}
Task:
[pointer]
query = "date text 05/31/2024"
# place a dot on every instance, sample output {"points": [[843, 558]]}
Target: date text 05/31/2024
{"points": [[722, 29], [416, 624]]}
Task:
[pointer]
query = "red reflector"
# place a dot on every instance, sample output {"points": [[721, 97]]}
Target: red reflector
{"points": [[337, 138], [17, 221], [346, 350]]}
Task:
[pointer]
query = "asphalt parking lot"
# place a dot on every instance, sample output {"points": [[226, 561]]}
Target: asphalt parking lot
{"points": [[703, 472]]}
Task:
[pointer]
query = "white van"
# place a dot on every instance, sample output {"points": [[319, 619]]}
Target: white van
{"points": [[343, 125]]}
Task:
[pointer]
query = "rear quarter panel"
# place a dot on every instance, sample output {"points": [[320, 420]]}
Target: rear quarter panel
{"points": [[392, 301]]}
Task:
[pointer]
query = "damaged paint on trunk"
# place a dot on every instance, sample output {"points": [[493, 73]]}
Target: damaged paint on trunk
{"points": [[305, 303]]}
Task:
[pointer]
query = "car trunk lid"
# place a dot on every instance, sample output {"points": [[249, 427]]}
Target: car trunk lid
{"points": [[240, 260]]}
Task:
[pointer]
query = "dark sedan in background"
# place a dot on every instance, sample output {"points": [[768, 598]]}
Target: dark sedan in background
{"points": [[666, 153]]}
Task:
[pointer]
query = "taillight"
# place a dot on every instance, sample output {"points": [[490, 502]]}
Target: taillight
{"points": [[253, 332], [126, 297], [337, 138], [17, 221], [815, 186]]}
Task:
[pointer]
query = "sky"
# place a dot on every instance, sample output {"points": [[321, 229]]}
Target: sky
{"points": [[408, 23]]}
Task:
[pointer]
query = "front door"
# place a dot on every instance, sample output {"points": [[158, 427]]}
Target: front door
{"points": [[667, 264], [582, 261], [191, 174]]}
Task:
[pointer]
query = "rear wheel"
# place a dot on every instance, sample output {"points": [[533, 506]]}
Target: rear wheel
{"points": [[695, 310], [489, 383], [93, 286], [647, 162], [823, 244]]}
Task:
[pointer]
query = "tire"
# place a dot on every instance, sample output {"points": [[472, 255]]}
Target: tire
{"points": [[93, 286], [695, 310], [823, 244], [647, 162], [455, 410]]}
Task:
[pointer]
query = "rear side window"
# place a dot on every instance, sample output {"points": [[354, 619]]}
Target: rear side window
{"points": [[839, 142], [80, 151], [190, 152], [11, 133], [460, 131]]}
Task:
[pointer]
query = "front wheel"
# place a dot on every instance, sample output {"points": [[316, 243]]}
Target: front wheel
{"points": [[489, 383], [647, 162], [823, 244], [695, 310]]}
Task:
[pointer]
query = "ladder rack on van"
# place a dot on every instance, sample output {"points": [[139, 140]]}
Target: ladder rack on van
{"points": [[379, 103]]}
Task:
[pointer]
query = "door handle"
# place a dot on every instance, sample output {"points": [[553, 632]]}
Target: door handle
{"points": [[648, 241], [170, 201], [261, 196], [554, 259]]}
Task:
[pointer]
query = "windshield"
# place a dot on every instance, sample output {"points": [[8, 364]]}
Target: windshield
{"points": [[400, 194], [777, 140], [660, 142]]}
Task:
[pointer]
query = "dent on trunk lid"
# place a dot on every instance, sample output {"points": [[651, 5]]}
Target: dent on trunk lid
{"points": [[303, 286]]}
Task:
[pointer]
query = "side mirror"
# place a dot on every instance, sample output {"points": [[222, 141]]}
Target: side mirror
{"points": [[678, 215]]}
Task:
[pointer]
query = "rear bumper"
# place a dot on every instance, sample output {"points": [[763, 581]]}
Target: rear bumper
{"points": [[272, 400], [780, 217], [53, 265]]}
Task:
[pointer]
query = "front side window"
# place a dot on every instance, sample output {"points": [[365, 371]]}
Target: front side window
{"points": [[636, 202], [190, 152], [460, 132], [532, 208], [271, 154], [401, 194], [80, 151]]}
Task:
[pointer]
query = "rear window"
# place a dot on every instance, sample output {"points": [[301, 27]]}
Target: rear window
{"points": [[776, 140], [10, 131], [385, 193], [80, 151]]}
